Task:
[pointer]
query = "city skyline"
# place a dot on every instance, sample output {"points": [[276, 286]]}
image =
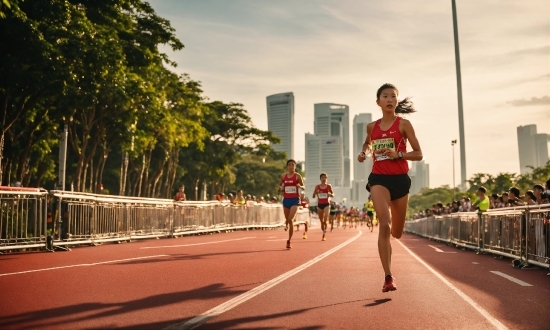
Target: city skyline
{"points": [[244, 50]]}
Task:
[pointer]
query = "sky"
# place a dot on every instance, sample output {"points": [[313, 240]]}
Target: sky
{"points": [[342, 51]]}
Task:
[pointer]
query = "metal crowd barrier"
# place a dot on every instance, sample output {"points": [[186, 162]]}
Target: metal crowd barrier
{"points": [[90, 218], [23, 218], [34, 218], [521, 233]]}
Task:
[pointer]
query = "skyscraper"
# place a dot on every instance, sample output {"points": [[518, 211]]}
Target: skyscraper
{"points": [[361, 171], [324, 154], [360, 123], [280, 120], [332, 120], [420, 176], [532, 147]]}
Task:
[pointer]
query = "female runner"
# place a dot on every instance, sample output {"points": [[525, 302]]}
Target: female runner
{"points": [[289, 183], [323, 191], [389, 182]]}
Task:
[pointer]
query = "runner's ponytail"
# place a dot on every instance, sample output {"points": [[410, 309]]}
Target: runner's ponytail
{"points": [[405, 106]]}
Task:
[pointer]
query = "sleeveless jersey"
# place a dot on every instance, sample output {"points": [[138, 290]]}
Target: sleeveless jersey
{"points": [[290, 187], [392, 138], [322, 195]]}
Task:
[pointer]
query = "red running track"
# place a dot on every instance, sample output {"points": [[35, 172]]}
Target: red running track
{"points": [[156, 284]]}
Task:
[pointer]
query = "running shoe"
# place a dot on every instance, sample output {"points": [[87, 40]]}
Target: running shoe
{"points": [[288, 244], [286, 228], [389, 284], [324, 237], [305, 236]]}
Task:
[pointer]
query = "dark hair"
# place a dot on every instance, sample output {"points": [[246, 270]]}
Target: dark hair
{"points": [[515, 191], [495, 196], [538, 187], [504, 194], [531, 194], [320, 176], [482, 189], [403, 106], [290, 160]]}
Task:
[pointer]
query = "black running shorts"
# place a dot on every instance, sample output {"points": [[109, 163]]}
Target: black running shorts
{"points": [[398, 185], [322, 206]]}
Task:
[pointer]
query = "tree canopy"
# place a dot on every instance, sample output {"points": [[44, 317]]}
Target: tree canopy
{"points": [[135, 127]]}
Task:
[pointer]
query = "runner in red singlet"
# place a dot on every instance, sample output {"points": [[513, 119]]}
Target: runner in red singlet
{"points": [[323, 192], [389, 182], [289, 183]]}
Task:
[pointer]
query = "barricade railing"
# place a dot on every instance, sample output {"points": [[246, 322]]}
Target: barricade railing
{"points": [[90, 218], [521, 233], [23, 218]]}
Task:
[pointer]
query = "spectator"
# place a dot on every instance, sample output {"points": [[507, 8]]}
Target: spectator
{"points": [[454, 208], [505, 201], [465, 204], [538, 190], [220, 197], [494, 201], [530, 198], [482, 201], [180, 195], [513, 197], [239, 199]]}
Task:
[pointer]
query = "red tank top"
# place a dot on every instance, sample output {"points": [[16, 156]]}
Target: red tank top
{"points": [[391, 138], [290, 187], [322, 195]]}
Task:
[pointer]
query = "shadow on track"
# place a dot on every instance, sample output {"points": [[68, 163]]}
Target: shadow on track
{"points": [[378, 302], [239, 322], [70, 315], [177, 257]]}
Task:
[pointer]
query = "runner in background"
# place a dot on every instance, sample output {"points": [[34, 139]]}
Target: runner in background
{"points": [[289, 184], [180, 195], [389, 182], [370, 214], [332, 214], [323, 192], [304, 203]]}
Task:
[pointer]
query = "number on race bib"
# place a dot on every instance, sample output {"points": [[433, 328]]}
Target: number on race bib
{"points": [[290, 190], [323, 195]]}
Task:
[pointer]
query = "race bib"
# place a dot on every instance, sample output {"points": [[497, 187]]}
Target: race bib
{"points": [[290, 190], [323, 195], [382, 143]]}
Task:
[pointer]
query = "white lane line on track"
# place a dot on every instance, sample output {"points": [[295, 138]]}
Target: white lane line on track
{"points": [[511, 278], [82, 265], [438, 249], [182, 245], [276, 240], [475, 263], [496, 323], [230, 304]]}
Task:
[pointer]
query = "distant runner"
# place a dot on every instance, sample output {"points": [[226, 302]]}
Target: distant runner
{"points": [[323, 192]]}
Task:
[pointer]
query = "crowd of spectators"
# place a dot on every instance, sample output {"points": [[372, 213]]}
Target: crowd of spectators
{"points": [[513, 197]]}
